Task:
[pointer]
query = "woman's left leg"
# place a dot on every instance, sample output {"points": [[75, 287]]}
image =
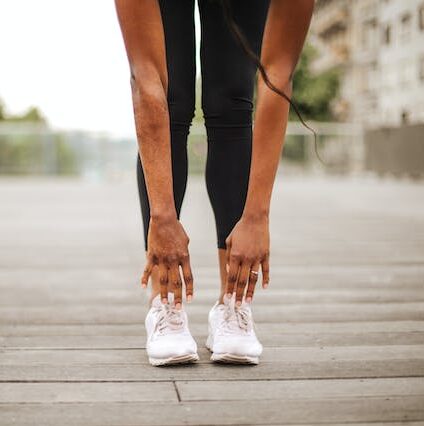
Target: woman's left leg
{"points": [[228, 78]]}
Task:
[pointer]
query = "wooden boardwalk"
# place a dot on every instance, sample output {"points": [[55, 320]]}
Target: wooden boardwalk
{"points": [[342, 322]]}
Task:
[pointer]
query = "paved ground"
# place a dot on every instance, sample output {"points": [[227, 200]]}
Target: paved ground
{"points": [[342, 322]]}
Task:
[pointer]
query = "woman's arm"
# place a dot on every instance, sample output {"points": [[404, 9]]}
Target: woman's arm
{"points": [[142, 30], [248, 244]]}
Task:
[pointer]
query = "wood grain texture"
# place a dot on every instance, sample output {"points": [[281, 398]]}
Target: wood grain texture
{"points": [[342, 322]]}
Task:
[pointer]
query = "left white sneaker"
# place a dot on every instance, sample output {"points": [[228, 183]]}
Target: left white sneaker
{"points": [[232, 337], [169, 340]]}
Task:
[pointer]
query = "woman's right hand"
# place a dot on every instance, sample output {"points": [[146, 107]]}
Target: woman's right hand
{"points": [[168, 250]]}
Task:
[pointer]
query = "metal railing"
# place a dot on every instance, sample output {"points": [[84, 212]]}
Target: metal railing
{"points": [[32, 149]]}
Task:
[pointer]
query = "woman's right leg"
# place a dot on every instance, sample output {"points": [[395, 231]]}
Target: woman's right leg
{"points": [[178, 23], [228, 78]]}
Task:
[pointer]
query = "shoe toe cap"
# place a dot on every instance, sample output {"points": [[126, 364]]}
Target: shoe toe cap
{"points": [[241, 346], [171, 347]]}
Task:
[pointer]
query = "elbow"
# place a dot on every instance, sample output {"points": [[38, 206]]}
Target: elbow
{"points": [[150, 102], [149, 80], [280, 73], [280, 79], [149, 89]]}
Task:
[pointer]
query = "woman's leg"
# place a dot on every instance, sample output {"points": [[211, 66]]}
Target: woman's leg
{"points": [[178, 23], [228, 78]]}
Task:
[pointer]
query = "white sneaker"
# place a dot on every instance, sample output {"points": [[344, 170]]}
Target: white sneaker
{"points": [[168, 338], [232, 337]]}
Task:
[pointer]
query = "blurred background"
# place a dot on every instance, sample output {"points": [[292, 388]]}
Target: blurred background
{"points": [[66, 109], [343, 319]]}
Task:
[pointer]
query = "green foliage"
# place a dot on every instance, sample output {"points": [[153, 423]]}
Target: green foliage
{"points": [[32, 114], [37, 153], [313, 93], [2, 110]]}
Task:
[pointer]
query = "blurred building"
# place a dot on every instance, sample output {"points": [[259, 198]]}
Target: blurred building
{"points": [[379, 47]]}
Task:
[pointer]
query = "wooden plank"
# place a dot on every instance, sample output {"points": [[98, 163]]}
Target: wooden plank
{"points": [[205, 370], [28, 330], [133, 335], [95, 314], [271, 354], [298, 389], [402, 423], [87, 392], [217, 413], [306, 252], [267, 337], [287, 277], [112, 296]]}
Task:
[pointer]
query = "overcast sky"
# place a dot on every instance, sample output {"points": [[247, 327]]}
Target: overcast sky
{"points": [[68, 58]]}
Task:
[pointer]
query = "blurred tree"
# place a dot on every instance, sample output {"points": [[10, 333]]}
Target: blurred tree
{"points": [[26, 153], [2, 112], [313, 93], [32, 114]]}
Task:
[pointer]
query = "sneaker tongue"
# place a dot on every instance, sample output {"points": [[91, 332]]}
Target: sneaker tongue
{"points": [[230, 301], [157, 301]]}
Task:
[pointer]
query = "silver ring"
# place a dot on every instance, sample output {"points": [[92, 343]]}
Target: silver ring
{"points": [[254, 272]]}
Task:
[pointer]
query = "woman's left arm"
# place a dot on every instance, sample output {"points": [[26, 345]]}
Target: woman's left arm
{"points": [[248, 244]]}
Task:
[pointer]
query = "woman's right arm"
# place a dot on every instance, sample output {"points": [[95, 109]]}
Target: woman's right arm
{"points": [[142, 31]]}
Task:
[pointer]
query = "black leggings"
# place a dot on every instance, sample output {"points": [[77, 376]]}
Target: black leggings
{"points": [[228, 77]]}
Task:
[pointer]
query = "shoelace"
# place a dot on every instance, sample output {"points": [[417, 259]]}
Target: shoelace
{"points": [[170, 319], [237, 318]]}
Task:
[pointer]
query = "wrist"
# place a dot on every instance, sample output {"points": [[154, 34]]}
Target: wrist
{"points": [[163, 216], [256, 215]]}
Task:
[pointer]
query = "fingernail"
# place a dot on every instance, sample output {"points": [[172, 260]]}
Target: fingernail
{"points": [[238, 303], [164, 300], [143, 285], [248, 299], [178, 305], [189, 298], [229, 295], [266, 285]]}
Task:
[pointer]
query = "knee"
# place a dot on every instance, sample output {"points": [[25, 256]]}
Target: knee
{"points": [[227, 108], [181, 109]]}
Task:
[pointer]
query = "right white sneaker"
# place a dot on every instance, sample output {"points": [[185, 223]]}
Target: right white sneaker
{"points": [[232, 337], [168, 338]]}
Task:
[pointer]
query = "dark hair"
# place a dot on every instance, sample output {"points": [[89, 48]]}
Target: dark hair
{"points": [[241, 39]]}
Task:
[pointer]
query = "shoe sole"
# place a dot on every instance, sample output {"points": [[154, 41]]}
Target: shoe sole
{"points": [[228, 358], [182, 359]]}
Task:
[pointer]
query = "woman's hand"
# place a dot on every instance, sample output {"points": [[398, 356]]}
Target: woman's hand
{"points": [[247, 249], [168, 250]]}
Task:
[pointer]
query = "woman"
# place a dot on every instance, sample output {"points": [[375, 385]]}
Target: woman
{"points": [[160, 44]]}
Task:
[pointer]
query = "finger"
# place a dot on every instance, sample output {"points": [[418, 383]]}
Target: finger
{"points": [[175, 281], [253, 278], [227, 255], [188, 278], [241, 282], [227, 250], [265, 272], [232, 274], [163, 281], [146, 273]]}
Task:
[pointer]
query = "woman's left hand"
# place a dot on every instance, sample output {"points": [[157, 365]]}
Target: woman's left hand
{"points": [[247, 249]]}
